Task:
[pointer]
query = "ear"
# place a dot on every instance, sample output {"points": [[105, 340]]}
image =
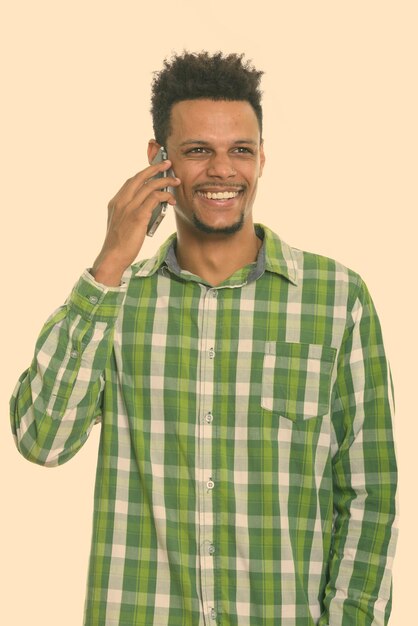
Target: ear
{"points": [[153, 148], [262, 157]]}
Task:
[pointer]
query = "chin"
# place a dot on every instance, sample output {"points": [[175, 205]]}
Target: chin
{"points": [[229, 229]]}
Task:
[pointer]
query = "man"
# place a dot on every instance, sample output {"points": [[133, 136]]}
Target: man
{"points": [[246, 472]]}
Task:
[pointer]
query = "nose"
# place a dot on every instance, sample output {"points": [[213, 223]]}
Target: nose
{"points": [[220, 166]]}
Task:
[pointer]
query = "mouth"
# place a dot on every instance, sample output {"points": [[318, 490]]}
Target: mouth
{"points": [[219, 196]]}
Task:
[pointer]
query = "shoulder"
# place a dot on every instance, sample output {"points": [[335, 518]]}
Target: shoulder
{"points": [[309, 269], [312, 264], [316, 271]]}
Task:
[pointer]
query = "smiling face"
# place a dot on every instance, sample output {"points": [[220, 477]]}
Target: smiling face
{"points": [[215, 150]]}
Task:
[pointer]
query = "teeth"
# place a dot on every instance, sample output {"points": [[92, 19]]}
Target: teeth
{"points": [[220, 195]]}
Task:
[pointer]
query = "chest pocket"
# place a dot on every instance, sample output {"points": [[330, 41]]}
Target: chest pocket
{"points": [[297, 379]]}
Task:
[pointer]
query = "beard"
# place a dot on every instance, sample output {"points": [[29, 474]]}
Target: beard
{"points": [[223, 230]]}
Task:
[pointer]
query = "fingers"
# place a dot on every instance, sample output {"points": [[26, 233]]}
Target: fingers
{"points": [[142, 184], [151, 191], [129, 213], [145, 176], [141, 211]]}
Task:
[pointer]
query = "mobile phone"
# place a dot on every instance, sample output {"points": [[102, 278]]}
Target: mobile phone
{"points": [[160, 210]]}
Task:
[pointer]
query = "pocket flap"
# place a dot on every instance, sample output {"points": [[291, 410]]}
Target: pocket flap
{"points": [[297, 379]]}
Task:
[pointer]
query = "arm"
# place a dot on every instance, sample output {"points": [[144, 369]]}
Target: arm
{"points": [[58, 399], [364, 477]]}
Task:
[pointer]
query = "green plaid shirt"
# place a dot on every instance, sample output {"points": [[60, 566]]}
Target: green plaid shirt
{"points": [[246, 472]]}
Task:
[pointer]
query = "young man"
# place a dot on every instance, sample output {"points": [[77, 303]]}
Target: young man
{"points": [[246, 473]]}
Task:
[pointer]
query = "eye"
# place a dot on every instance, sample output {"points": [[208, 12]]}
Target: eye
{"points": [[243, 150], [198, 150]]}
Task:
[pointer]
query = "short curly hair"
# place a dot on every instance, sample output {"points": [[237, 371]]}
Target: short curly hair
{"points": [[192, 76]]}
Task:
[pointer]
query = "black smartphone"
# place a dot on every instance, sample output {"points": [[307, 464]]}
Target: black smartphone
{"points": [[160, 210]]}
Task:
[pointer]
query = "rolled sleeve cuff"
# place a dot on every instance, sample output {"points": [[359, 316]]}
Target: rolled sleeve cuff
{"points": [[91, 299]]}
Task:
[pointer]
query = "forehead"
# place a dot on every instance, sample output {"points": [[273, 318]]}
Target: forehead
{"points": [[211, 119]]}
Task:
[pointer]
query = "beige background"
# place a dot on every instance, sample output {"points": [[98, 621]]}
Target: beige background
{"points": [[341, 140]]}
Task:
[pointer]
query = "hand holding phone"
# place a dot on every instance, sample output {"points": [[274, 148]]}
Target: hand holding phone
{"points": [[132, 213], [160, 210]]}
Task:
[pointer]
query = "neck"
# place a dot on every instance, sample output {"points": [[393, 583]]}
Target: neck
{"points": [[216, 257]]}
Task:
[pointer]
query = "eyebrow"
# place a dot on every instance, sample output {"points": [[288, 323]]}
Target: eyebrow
{"points": [[200, 142]]}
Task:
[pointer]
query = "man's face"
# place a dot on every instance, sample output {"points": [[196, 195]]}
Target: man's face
{"points": [[215, 150]]}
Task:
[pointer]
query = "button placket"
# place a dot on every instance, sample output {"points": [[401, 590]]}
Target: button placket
{"points": [[204, 450]]}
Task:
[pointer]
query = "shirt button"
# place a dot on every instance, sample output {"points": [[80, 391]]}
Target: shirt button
{"points": [[93, 299], [74, 354], [213, 293], [209, 417], [210, 484], [211, 549], [212, 614], [211, 353]]}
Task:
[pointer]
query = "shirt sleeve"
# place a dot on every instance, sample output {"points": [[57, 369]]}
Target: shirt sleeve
{"points": [[364, 476], [58, 399]]}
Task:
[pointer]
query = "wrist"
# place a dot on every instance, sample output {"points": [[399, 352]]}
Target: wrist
{"points": [[107, 272]]}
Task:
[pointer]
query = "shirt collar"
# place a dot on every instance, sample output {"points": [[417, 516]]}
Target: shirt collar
{"points": [[279, 256], [275, 256]]}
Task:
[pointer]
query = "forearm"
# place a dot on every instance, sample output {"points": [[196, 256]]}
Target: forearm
{"points": [[364, 478], [57, 400], [365, 533]]}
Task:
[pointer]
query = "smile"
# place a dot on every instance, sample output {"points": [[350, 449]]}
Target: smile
{"points": [[218, 195]]}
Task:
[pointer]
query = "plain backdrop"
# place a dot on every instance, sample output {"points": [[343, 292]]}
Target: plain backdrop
{"points": [[341, 136]]}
